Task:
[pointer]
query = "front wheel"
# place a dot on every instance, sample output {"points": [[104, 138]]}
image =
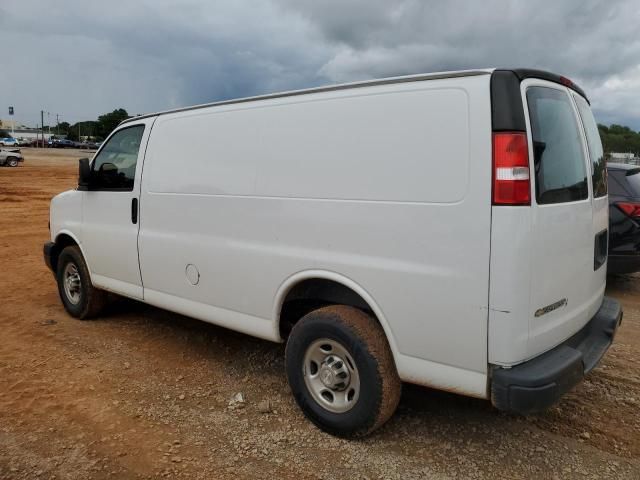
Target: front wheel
{"points": [[79, 297], [341, 371], [12, 161]]}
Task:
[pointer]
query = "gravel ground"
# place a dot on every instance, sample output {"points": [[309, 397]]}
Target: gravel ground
{"points": [[143, 393]]}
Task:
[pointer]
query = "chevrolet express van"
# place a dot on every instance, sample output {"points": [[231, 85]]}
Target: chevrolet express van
{"points": [[447, 230]]}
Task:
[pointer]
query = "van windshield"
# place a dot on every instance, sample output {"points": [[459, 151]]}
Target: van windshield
{"points": [[560, 171]]}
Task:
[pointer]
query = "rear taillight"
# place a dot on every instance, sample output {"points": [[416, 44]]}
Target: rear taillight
{"points": [[511, 184], [630, 208]]}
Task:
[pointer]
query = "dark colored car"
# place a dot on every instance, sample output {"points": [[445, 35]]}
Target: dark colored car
{"points": [[624, 218], [64, 143], [37, 142]]}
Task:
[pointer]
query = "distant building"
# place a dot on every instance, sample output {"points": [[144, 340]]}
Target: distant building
{"points": [[621, 156], [7, 124], [629, 158], [22, 131]]}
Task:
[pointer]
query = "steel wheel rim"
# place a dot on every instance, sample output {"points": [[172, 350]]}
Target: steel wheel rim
{"points": [[331, 376], [71, 282]]}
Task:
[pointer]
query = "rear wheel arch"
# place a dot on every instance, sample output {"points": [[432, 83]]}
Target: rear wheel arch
{"points": [[306, 291]]}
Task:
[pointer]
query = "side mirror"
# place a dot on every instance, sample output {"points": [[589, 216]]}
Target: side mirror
{"points": [[84, 174]]}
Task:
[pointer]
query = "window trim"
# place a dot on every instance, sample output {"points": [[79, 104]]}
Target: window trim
{"points": [[525, 85], [95, 188]]}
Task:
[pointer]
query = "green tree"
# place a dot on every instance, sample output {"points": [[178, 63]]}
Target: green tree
{"points": [[619, 130], [618, 138], [62, 129], [82, 129], [109, 121]]}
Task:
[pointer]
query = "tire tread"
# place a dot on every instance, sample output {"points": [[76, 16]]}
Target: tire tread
{"points": [[96, 298], [370, 335]]}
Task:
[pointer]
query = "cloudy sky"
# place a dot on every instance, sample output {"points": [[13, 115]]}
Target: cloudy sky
{"points": [[80, 59]]}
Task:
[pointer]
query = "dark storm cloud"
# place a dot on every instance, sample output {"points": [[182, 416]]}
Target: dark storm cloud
{"points": [[595, 43], [82, 59]]}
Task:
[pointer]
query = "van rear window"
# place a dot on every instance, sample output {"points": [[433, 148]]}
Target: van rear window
{"points": [[598, 165], [560, 171]]}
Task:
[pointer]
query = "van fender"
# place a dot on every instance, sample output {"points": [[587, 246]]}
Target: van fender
{"points": [[69, 233], [298, 277]]}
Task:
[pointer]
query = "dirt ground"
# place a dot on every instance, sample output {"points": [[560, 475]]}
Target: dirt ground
{"points": [[143, 393]]}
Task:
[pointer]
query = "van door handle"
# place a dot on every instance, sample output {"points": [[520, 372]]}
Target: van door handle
{"points": [[134, 210]]}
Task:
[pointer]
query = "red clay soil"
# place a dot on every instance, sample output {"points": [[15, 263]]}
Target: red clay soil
{"points": [[144, 393]]}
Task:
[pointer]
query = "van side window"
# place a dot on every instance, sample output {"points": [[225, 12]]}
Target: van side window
{"points": [[598, 164], [114, 168], [560, 172]]}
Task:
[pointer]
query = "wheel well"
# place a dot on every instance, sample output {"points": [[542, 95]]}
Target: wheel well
{"points": [[315, 293], [62, 241]]}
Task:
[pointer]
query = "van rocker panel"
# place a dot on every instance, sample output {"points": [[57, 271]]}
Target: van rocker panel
{"points": [[535, 385]]}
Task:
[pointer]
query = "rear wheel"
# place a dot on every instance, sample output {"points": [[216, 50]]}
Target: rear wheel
{"points": [[79, 297], [341, 371], [12, 161]]}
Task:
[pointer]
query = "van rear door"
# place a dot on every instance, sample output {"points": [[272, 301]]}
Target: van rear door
{"points": [[569, 214]]}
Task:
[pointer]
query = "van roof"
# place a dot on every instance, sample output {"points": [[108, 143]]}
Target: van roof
{"points": [[521, 73]]}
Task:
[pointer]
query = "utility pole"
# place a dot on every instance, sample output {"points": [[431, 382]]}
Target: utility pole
{"points": [[42, 125], [57, 124]]}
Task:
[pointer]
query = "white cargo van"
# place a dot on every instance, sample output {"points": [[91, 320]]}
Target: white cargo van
{"points": [[447, 230]]}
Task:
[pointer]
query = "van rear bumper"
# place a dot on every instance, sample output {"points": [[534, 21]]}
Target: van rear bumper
{"points": [[535, 385]]}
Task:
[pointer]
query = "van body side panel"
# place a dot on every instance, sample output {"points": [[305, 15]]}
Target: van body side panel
{"points": [[510, 284], [385, 185], [66, 215]]}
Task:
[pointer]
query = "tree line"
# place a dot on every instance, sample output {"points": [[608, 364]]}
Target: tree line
{"points": [[97, 130], [617, 138]]}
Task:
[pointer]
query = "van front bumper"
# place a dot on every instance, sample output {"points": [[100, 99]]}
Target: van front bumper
{"points": [[50, 253], [535, 385]]}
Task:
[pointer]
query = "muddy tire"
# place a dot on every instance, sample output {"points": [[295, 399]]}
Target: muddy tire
{"points": [[341, 371], [79, 297], [12, 161]]}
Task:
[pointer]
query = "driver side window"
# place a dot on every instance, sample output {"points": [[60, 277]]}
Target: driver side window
{"points": [[114, 168]]}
